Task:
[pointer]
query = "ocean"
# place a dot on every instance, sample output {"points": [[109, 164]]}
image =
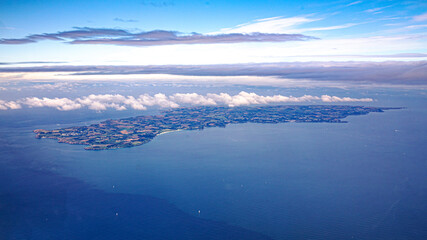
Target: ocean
{"points": [[365, 179]]}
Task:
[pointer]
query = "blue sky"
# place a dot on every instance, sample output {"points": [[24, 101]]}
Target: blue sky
{"points": [[211, 32], [29, 17]]}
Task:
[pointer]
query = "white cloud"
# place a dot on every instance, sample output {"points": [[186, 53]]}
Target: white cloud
{"points": [[329, 27], [269, 25], [159, 99], [119, 102], [63, 104], [192, 98], [53, 86], [377, 10], [420, 18], [4, 105], [244, 98], [134, 103], [412, 27], [102, 102], [281, 25], [327, 98], [353, 3]]}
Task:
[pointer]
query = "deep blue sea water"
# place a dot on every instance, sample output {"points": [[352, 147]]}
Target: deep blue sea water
{"points": [[366, 179]]}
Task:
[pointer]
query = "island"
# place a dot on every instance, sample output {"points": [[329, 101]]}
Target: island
{"points": [[135, 131]]}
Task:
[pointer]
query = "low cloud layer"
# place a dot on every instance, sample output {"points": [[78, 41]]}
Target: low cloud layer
{"points": [[389, 72], [122, 37], [34, 62], [5, 105], [119, 102]]}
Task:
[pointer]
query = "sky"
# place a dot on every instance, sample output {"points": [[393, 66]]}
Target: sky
{"points": [[35, 34]]}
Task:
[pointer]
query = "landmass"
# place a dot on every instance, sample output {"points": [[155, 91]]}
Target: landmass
{"points": [[135, 131]]}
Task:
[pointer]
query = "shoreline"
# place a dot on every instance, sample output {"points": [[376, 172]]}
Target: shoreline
{"points": [[164, 132]]}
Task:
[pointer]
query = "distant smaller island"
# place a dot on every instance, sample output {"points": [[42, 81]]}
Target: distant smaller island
{"points": [[135, 131]]}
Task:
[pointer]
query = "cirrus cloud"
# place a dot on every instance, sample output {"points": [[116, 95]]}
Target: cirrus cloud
{"points": [[420, 18]]}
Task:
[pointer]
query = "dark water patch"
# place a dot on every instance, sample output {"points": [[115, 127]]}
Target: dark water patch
{"points": [[38, 204]]}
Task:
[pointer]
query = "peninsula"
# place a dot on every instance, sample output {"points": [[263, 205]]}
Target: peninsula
{"points": [[135, 131]]}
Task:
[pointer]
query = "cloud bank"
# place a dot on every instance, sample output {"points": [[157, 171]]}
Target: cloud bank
{"points": [[388, 72], [119, 102], [122, 37]]}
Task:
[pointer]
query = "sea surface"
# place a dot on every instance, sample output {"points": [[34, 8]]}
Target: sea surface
{"points": [[365, 179]]}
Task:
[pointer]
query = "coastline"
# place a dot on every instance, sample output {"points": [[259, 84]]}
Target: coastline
{"points": [[169, 131]]}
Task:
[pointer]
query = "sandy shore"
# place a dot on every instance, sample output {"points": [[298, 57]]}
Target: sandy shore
{"points": [[169, 131]]}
